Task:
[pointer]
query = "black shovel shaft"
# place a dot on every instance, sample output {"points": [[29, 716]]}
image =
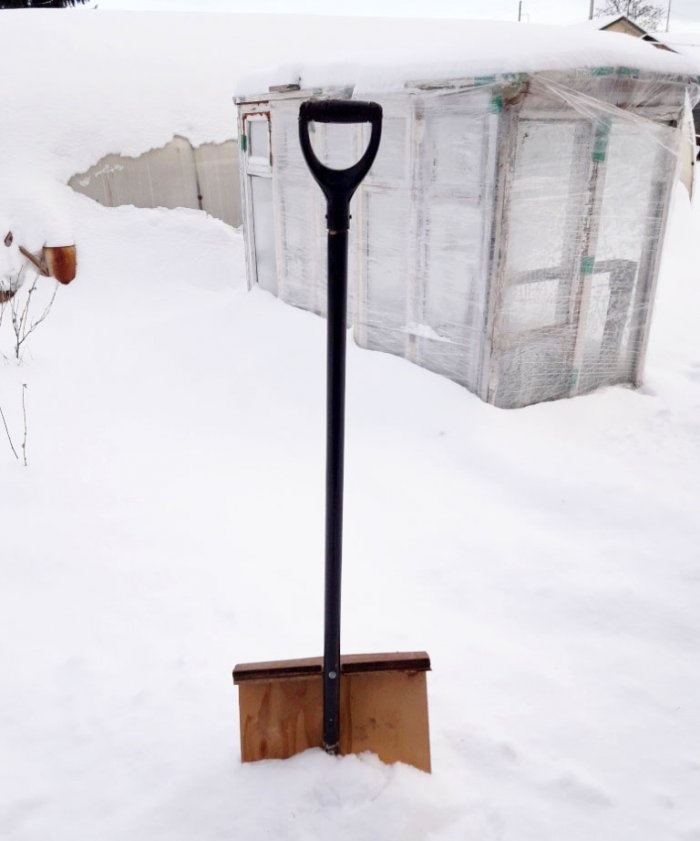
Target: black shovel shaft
{"points": [[338, 187], [335, 457]]}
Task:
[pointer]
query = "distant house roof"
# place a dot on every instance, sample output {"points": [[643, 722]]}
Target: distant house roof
{"points": [[621, 23], [616, 22]]}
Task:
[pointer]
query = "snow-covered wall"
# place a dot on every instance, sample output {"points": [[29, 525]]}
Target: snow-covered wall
{"points": [[175, 175]]}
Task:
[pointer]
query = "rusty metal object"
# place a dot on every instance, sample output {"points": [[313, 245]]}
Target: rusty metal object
{"points": [[61, 262], [57, 261]]}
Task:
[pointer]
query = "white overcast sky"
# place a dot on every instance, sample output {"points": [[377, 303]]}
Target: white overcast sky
{"points": [[685, 14]]}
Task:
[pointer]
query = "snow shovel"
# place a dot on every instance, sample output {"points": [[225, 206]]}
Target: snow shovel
{"points": [[361, 702]]}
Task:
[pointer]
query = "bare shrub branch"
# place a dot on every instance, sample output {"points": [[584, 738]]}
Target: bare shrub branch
{"points": [[19, 307], [7, 432], [24, 416]]}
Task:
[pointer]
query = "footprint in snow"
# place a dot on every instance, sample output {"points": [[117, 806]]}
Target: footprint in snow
{"points": [[573, 788]]}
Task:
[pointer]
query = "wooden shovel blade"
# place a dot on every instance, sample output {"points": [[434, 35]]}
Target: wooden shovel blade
{"points": [[383, 707]]}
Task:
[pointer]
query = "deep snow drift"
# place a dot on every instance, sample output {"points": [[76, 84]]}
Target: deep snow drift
{"points": [[169, 524]]}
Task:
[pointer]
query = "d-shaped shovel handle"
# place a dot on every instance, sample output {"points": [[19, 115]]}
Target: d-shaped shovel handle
{"points": [[338, 185]]}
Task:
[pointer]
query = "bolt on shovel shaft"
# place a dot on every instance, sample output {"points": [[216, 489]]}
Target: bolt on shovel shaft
{"points": [[338, 187]]}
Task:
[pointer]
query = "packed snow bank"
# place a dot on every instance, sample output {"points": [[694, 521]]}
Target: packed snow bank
{"points": [[170, 524], [80, 84]]}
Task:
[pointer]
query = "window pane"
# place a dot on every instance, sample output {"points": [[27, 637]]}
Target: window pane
{"points": [[259, 137]]}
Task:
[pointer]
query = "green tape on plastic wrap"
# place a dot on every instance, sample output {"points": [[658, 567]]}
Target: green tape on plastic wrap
{"points": [[631, 72], [244, 143], [603, 71], [479, 81], [587, 264], [497, 103], [600, 140]]}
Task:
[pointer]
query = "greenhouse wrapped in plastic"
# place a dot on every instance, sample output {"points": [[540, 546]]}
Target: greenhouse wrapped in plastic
{"points": [[509, 234]]}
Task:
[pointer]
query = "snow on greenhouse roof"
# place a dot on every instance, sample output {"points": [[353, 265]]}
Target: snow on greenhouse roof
{"points": [[394, 52]]}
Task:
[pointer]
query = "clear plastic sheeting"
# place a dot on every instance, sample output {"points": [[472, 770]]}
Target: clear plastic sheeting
{"points": [[508, 235]]}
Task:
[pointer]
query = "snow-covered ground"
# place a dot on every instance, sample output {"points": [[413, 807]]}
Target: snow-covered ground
{"points": [[170, 524]]}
